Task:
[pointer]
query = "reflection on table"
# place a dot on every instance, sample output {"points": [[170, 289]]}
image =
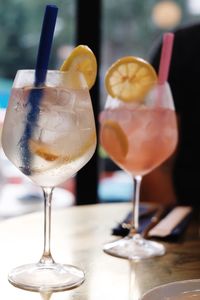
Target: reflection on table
{"points": [[78, 234]]}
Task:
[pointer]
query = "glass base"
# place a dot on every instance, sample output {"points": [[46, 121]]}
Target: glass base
{"points": [[46, 277], [135, 247]]}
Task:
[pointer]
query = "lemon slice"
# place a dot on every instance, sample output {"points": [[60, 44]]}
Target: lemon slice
{"points": [[42, 150], [130, 78], [47, 153], [82, 59], [114, 140]]}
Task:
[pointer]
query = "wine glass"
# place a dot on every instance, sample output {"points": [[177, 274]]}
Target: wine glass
{"points": [[49, 134], [138, 136]]}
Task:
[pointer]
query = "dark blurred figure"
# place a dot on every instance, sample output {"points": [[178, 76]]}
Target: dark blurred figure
{"points": [[178, 179]]}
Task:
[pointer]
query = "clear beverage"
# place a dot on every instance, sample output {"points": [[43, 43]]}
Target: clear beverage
{"points": [[63, 140], [49, 134], [151, 135]]}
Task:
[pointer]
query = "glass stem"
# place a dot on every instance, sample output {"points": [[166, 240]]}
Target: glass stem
{"points": [[134, 287], [136, 200], [46, 256], [45, 295]]}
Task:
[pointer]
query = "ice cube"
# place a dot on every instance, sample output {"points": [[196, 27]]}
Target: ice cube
{"points": [[66, 100]]}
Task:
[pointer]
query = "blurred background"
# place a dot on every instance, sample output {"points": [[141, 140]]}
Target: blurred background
{"points": [[112, 29]]}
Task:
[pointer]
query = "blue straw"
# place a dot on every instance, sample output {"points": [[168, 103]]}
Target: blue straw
{"points": [[46, 39], [35, 96]]}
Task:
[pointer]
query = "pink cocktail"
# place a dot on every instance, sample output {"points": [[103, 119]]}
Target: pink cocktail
{"points": [[138, 136], [151, 134]]}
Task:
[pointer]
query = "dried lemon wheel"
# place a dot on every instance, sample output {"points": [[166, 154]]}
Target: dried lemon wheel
{"points": [[82, 59], [130, 78]]}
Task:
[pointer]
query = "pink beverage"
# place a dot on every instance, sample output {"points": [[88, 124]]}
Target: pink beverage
{"points": [[139, 138]]}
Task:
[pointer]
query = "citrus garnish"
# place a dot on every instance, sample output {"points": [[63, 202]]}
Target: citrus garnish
{"points": [[44, 150], [114, 140], [130, 78], [82, 59]]}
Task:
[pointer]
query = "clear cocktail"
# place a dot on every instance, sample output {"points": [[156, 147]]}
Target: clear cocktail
{"points": [[49, 134], [63, 139]]}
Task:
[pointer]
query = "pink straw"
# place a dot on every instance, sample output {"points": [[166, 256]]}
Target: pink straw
{"points": [[166, 53]]}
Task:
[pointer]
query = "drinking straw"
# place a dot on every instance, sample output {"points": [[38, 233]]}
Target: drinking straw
{"points": [[45, 43], [166, 52], [35, 96]]}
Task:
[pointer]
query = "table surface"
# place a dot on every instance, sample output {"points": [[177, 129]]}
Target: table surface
{"points": [[78, 234]]}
